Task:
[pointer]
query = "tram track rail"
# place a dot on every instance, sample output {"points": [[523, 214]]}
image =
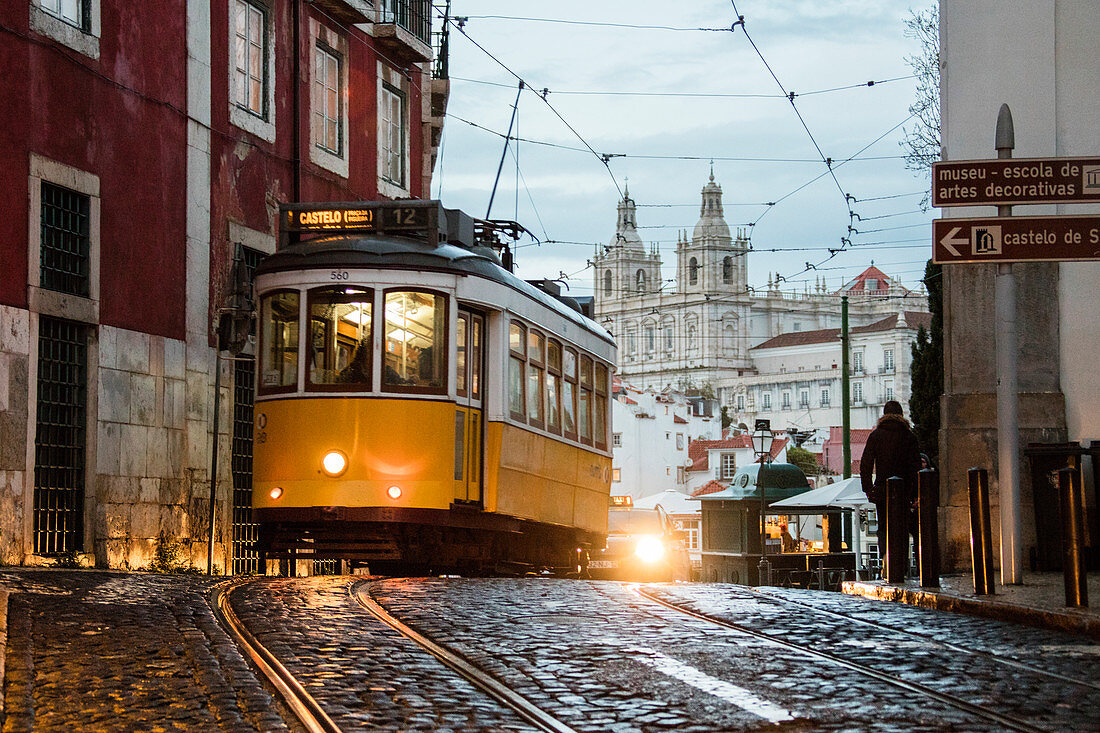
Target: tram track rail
{"points": [[1009, 722], [489, 684], [303, 705], [996, 658]]}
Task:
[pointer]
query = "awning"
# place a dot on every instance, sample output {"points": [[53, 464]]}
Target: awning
{"points": [[846, 494]]}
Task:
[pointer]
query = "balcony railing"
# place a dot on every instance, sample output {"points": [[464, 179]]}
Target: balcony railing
{"points": [[412, 15]]}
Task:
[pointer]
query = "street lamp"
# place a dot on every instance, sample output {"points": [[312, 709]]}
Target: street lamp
{"points": [[762, 445]]}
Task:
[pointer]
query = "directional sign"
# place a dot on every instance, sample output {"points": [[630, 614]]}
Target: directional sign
{"points": [[1016, 239], [1007, 181]]}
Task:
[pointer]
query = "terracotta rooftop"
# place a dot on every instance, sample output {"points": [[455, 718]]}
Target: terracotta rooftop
{"points": [[711, 487], [679, 420], [914, 319]]}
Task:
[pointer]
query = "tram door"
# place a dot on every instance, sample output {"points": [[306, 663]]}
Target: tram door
{"points": [[470, 363]]}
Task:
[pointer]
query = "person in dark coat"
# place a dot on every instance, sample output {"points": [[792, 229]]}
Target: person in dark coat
{"points": [[892, 450]]}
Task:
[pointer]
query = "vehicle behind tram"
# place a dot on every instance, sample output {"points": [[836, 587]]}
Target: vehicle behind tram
{"points": [[419, 407]]}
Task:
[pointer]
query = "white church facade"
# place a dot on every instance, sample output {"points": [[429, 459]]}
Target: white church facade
{"points": [[708, 331]]}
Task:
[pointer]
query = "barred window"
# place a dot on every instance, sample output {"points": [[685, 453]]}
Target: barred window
{"points": [[66, 241]]}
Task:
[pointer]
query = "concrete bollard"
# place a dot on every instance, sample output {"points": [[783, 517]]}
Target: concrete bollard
{"points": [[897, 531], [1073, 525], [981, 538], [928, 531]]}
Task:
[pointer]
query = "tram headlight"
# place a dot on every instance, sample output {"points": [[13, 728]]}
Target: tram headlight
{"points": [[394, 492], [276, 492], [334, 463], [649, 549]]}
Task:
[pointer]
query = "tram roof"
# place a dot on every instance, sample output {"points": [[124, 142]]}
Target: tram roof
{"points": [[381, 251]]}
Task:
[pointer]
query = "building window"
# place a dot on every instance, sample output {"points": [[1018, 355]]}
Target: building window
{"points": [[727, 270], [692, 528], [693, 271], [250, 78], [668, 338], [786, 400], [804, 398], [73, 12], [607, 283], [692, 336], [857, 392], [889, 390], [631, 342], [740, 402], [729, 465], [616, 475], [824, 397], [617, 440], [857, 362], [65, 244], [681, 474], [679, 441], [871, 283], [888, 359], [391, 130], [327, 113], [767, 399], [640, 279], [649, 339]]}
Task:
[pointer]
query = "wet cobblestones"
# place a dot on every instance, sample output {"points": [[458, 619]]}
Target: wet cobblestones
{"points": [[123, 652]]}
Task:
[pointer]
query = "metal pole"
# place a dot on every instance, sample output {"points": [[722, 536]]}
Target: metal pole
{"points": [[928, 491], [763, 507], [214, 459], [1073, 526], [1008, 425], [981, 542], [504, 153], [897, 531], [845, 410]]}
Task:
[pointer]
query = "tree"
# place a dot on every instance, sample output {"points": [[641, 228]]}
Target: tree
{"points": [[922, 138], [927, 367], [804, 459], [726, 419]]}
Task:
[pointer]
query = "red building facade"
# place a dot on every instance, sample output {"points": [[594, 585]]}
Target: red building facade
{"points": [[144, 146]]}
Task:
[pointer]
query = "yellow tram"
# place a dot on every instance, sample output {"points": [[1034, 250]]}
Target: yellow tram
{"points": [[419, 407]]}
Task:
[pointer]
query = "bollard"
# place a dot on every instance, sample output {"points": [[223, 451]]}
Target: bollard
{"points": [[1073, 524], [981, 539], [764, 568], [897, 531], [821, 574], [928, 491]]}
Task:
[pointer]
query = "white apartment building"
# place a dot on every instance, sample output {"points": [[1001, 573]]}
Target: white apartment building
{"points": [[651, 434]]}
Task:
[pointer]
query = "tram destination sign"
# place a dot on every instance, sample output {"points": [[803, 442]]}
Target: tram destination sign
{"points": [[1016, 239], [355, 217], [1007, 181]]}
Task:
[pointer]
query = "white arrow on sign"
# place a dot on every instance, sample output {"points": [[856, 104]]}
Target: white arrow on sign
{"points": [[951, 239]]}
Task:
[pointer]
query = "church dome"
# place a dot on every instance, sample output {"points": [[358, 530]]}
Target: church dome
{"points": [[712, 222], [626, 228]]}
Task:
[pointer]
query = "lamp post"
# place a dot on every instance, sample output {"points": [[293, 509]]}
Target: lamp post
{"points": [[762, 446]]}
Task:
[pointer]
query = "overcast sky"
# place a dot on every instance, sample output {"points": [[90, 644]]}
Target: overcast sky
{"points": [[666, 142]]}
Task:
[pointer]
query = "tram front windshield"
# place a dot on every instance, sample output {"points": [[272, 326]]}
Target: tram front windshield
{"points": [[634, 521]]}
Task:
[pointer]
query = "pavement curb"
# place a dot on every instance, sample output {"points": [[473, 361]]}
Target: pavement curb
{"points": [[1067, 620]]}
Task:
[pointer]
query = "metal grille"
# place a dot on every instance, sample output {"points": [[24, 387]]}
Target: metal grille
{"points": [[246, 559], [326, 567], [60, 443], [65, 240]]}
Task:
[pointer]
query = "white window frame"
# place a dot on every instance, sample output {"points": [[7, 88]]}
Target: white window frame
{"points": [[740, 403], [728, 466], [888, 391], [335, 46], [81, 39], [857, 392], [616, 475], [857, 361], [616, 440], [785, 399], [392, 82], [803, 398], [262, 126], [824, 396], [766, 401], [888, 359]]}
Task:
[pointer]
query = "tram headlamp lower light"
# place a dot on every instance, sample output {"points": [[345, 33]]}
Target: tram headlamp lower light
{"points": [[334, 463], [649, 549], [276, 492], [394, 492]]}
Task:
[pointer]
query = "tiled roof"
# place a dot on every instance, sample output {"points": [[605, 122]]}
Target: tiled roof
{"points": [[711, 487], [828, 335], [679, 420], [627, 401], [697, 449]]}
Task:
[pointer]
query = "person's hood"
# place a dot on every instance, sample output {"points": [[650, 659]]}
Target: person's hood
{"points": [[893, 422]]}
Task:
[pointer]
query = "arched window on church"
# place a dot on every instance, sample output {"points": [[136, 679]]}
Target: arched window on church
{"points": [[641, 281], [693, 271], [692, 340], [729, 334], [727, 270], [607, 282]]}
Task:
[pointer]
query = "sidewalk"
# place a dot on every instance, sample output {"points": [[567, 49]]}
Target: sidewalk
{"points": [[1039, 601]]}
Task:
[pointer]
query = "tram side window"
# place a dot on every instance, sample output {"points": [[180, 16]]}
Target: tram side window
{"points": [[536, 375], [340, 343], [553, 386], [279, 356], [416, 342], [569, 393], [599, 430], [584, 401], [517, 338]]}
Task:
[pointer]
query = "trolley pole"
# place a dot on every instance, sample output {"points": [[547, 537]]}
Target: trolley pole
{"points": [[1008, 426]]}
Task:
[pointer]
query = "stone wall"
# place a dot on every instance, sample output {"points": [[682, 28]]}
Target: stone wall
{"points": [[14, 382]]}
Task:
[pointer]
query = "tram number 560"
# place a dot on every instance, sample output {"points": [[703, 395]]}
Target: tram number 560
{"points": [[338, 275]]}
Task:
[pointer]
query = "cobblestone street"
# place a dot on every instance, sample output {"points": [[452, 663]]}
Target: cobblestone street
{"points": [[111, 651]]}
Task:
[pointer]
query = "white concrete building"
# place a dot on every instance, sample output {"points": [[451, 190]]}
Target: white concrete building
{"points": [[651, 434]]}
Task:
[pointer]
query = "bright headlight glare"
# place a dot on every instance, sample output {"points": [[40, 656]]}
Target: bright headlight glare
{"points": [[334, 463], [394, 492], [276, 492], [649, 549]]}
